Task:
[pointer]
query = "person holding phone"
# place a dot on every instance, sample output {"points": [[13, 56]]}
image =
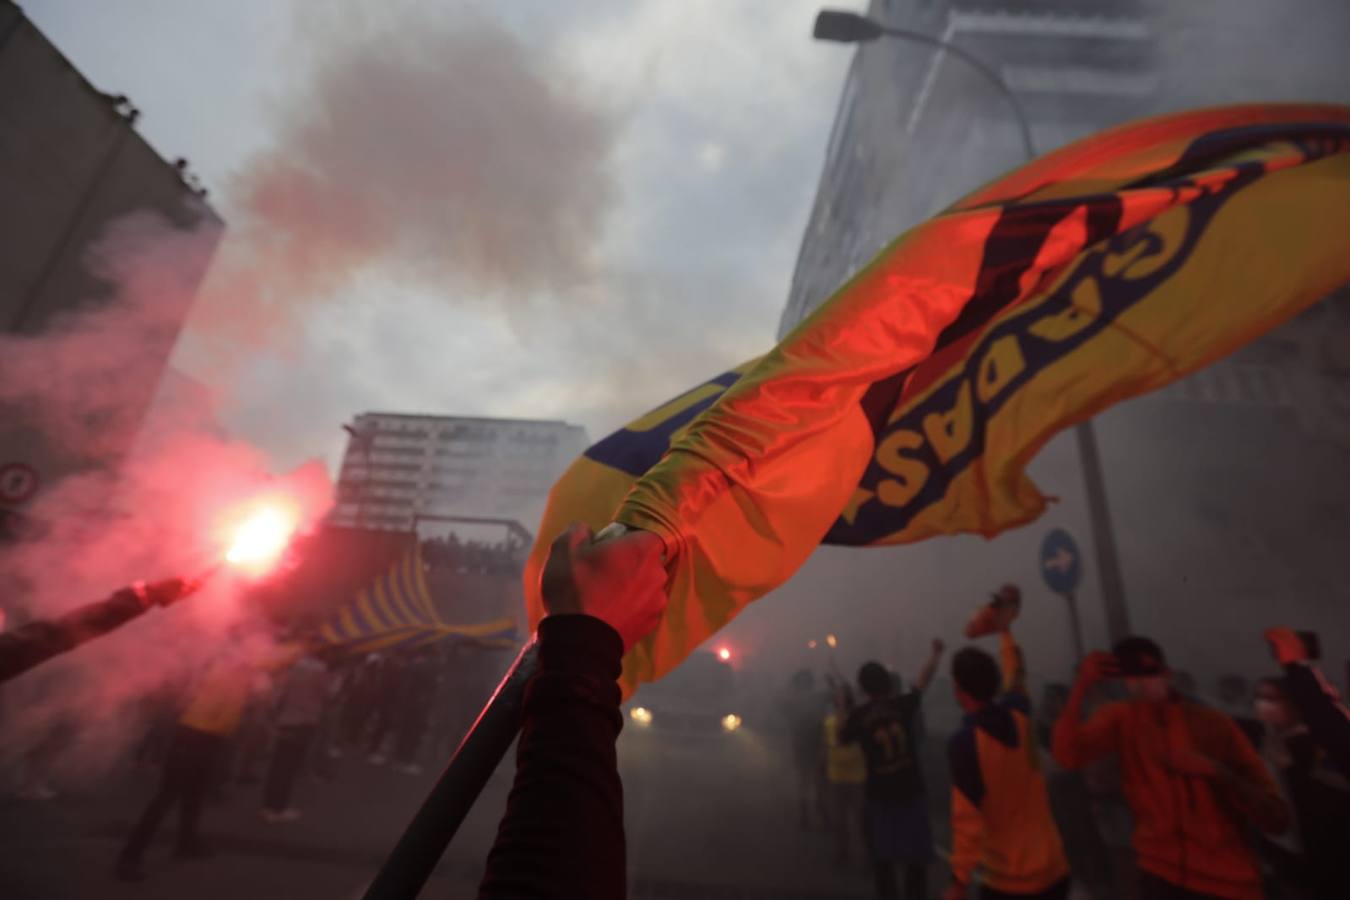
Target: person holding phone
{"points": [[1311, 695], [1190, 777], [1300, 730]]}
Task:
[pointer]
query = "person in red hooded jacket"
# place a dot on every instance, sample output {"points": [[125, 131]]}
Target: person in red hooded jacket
{"points": [[1192, 780]]}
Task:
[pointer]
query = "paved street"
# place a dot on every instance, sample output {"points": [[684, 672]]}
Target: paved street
{"points": [[706, 818]]}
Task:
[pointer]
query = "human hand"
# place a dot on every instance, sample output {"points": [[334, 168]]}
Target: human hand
{"points": [[621, 581], [1286, 646], [955, 891], [1098, 666], [165, 592]]}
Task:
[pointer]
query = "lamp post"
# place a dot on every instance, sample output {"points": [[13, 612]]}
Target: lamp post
{"points": [[851, 28]]}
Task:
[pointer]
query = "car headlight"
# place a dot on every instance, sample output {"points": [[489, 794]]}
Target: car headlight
{"points": [[641, 715], [730, 722]]}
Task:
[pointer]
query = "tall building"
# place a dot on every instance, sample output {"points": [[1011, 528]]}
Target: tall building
{"points": [[918, 127], [72, 169], [1225, 489], [401, 469]]}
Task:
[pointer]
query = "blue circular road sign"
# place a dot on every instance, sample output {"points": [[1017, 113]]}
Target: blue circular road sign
{"points": [[1061, 563]]}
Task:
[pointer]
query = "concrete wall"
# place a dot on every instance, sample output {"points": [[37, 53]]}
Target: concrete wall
{"points": [[71, 165]]}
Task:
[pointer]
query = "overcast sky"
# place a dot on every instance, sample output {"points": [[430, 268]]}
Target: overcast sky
{"points": [[710, 122]]}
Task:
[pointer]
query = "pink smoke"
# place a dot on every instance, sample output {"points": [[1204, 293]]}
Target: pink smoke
{"points": [[140, 498]]}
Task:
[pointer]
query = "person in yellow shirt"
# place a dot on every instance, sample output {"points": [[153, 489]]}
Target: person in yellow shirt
{"points": [[845, 775], [195, 752]]}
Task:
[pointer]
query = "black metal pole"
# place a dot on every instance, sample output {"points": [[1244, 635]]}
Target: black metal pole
{"points": [[1074, 624], [1103, 534], [423, 843]]}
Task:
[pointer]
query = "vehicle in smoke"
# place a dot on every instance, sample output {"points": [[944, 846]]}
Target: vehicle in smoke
{"points": [[699, 700]]}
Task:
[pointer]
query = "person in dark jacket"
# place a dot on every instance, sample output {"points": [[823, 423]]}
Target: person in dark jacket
{"points": [[414, 711], [1299, 721], [387, 702], [562, 835], [895, 806], [33, 644], [1312, 695]]}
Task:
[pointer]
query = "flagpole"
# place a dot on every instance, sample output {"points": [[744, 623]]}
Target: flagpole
{"points": [[415, 856]]}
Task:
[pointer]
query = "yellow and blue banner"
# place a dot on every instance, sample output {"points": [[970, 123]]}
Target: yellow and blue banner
{"points": [[909, 404], [397, 610]]}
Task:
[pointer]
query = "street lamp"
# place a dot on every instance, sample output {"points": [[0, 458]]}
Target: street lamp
{"points": [[850, 28]]}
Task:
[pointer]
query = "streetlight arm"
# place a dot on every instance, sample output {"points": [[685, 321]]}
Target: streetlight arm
{"points": [[975, 62]]}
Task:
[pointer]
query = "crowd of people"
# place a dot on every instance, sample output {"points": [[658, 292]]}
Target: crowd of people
{"points": [[266, 722], [470, 556], [1218, 805]]}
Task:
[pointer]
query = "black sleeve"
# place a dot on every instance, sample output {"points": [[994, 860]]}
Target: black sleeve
{"points": [[1322, 711], [562, 835], [35, 643]]}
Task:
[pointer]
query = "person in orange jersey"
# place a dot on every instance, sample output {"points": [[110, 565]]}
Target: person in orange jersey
{"points": [[1192, 781], [1001, 818]]}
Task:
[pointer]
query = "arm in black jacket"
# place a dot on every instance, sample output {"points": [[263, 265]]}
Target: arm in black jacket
{"points": [[1322, 711], [562, 835], [35, 643]]}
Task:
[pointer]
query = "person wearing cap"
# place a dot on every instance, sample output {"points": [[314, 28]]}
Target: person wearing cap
{"points": [[32, 644], [1192, 780]]}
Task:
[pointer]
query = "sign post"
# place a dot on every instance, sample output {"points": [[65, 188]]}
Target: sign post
{"points": [[18, 483], [1062, 568]]}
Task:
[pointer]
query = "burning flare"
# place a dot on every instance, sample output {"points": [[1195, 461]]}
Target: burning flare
{"points": [[260, 539]]}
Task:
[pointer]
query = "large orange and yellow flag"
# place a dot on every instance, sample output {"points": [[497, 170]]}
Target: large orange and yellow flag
{"points": [[909, 404]]}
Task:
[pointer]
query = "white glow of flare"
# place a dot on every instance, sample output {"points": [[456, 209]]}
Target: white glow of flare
{"points": [[724, 654], [261, 538]]}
